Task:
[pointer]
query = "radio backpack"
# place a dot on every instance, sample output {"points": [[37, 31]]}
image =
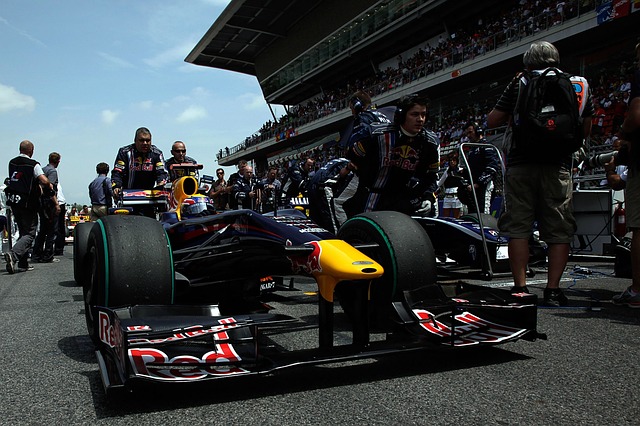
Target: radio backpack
{"points": [[547, 115]]}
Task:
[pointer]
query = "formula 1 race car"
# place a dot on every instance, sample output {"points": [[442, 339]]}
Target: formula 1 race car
{"points": [[179, 299], [473, 244], [71, 223]]}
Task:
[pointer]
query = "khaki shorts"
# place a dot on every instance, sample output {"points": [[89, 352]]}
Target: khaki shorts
{"points": [[632, 199], [542, 193], [98, 211]]}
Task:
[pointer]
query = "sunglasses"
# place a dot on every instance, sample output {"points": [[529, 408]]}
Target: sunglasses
{"points": [[179, 150]]}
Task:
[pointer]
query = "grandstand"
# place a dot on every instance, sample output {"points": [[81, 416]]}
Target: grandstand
{"points": [[311, 55]]}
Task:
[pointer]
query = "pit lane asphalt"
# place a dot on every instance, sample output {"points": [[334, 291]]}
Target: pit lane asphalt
{"points": [[585, 373]]}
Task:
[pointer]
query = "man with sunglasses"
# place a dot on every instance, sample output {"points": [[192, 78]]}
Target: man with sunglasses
{"points": [[219, 192], [179, 152]]}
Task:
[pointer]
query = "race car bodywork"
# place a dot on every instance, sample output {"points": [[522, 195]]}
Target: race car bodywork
{"points": [[179, 299], [71, 223], [466, 245]]}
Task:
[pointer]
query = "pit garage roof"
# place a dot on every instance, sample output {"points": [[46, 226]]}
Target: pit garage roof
{"points": [[244, 30]]}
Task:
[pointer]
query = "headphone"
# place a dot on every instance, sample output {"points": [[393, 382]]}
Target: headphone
{"points": [[404, 104], [357, 105], [476, 128]]}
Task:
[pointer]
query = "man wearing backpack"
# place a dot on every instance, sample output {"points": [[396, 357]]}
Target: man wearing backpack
{"points": [[23, 195], [538, 184]]}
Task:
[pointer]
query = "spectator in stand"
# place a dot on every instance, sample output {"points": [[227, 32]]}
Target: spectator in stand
{"points": [[179, 152], [484, 165], [538, 188], [219, 192], [100, 192], [48, 214], [23, 196], [397, 163]]}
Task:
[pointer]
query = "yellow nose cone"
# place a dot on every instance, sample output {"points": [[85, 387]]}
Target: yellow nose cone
{"points": [[340, 261]]}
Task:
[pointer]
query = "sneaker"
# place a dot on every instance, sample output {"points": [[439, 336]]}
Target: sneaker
{"points": [[554, 297], [515, 289], [25, 268], [11, 264], [625, 298]]}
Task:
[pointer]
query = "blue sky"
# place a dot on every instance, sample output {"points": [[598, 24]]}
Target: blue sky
{"points": [[78, 77]]}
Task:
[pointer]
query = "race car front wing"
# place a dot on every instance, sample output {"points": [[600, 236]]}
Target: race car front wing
{"points": [[193, 343]]}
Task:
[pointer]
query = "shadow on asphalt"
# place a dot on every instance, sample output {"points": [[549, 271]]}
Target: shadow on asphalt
{"points": [[158, 397]]}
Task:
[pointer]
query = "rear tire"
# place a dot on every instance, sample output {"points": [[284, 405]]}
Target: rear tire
{"points": [[130, 264], [80, 241], [404, 251]]}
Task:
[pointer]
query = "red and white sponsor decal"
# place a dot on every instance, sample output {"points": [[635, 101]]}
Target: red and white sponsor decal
{"points": [[472, 331], [156, 364], [138, 328], [309, 264], [107, 333], [188, 367], [218, 332]]}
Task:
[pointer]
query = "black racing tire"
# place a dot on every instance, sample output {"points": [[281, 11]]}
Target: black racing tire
{"points": [[130, 264], [403, 249], [80, 241]]}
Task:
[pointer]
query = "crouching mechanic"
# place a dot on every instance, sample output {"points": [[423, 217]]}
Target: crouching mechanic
{"points": [[397, 163], [325, 185]]}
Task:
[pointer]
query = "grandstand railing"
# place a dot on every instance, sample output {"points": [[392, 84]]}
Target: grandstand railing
{"points": [[451, 59]]}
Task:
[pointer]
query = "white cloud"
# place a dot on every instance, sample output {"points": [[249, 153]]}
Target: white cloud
{"points": [[192, 113], [251, 101], [114, 60], [11, 99], [145, 105], [174, 55], [22, 32], [109, 116]]}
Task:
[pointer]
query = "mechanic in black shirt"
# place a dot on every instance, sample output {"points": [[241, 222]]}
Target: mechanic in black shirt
{"points": [[397, 163], [484, 165], [243, 190], [233, 202], [363, 115], [298, 177], [139, 165]]}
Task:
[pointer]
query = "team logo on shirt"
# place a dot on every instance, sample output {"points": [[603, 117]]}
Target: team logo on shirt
{"points": [[404, 157]]}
